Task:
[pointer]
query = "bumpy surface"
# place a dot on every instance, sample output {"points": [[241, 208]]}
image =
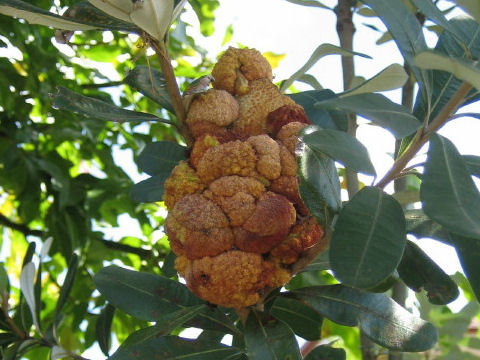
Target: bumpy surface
{"points": [[236, 220]]}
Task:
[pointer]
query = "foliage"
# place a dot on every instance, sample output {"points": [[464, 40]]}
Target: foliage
{"points": [[61, 188]]}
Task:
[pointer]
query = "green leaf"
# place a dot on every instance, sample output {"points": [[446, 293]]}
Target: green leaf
{"points": [[407, 32], [269, 339], [390, 78], [379, 317], [4, 283], [473, 164], [448, 193], [341, 147], [465, 70], [321, 262], [119, 9], [168, 268], [176, 348], [445, 84], [432, 12], [69, 100], [27, 279], [150, 297], [470, 6], [419, 272], [319, 183], [324, 352], [149, 190], [313, 3], [154, 17], [160, 157], [151, 83], [302, 319], [468, 251], [369, 239], [67, 284], [36, 15], [421, 226], [103, 328], [320, 52], [310, 80], [378, 109], [326, 119]]}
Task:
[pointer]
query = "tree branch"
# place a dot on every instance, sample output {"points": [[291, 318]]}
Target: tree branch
{"points": [[142, 253], [24, 229]]}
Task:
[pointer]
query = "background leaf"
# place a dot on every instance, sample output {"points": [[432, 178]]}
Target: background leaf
{"points": [[103, 328], [27, 279], [473, 164], [324, 352], [379, 109], [468, 251], [313, 3], [382, 319], [151, 189], [341, 147], [471, 7], [160, 157], [419, 272], [269, 339], [448, 193], [369, 239]]}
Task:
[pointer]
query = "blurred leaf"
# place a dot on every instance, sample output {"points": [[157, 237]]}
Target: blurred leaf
{"points": [[160, 157], [321, 51], [379, 109], [119, 9], [269, 339], [407, 32], [149, 190], [468, 251], [419, 272], [58, 353], [36, 15], [321, 262], [45, 248], [4, 284], [69, 100], [473, 164], [470, 6], [341, 147], [369, 239], [379, 317], [273, 59], [465, 70], [173, 347], [67, 285], [27, 279], [303, 320], [320, 117], [168, 268], [103, 328], [324, 352], [151, 83], [154, 17], [390, 78], [319, 183], [448, 193], [432, 12], [421, 226], [150, 297], [313, 3]]}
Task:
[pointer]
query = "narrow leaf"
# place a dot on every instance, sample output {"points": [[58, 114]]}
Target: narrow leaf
{"points": [[324, 352], [390, 78], [302, 319], [36, 15], [473, 164], [448, 193], [69, 100], [103, 328], [320, 52], [379, 317], [45, 248], [4, 283], [432, 12], [468, 251], [419, 272], [465, 70], [379, 109], [119, 9], [152, 16], [269, 339], [320, 178], [313, 3], [176, 348], [470, 6], [151, 83], [27, 279], [67, 284], [310, 80], [160, 157], [341, 147], [150, 190], [149, 297], [369, 239]]}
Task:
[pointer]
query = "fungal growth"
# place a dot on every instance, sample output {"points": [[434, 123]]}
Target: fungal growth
{"points": [[236, 220]]}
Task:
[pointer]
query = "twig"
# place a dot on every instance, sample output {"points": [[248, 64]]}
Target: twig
{"points": [[142, 253], [24, 229], [102, 85], [172, 88], [423, 135]]}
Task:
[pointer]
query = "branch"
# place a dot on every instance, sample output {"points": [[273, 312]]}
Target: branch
{"points": [[24, 229], [423, 135], [142, 253], [172, 88]]}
